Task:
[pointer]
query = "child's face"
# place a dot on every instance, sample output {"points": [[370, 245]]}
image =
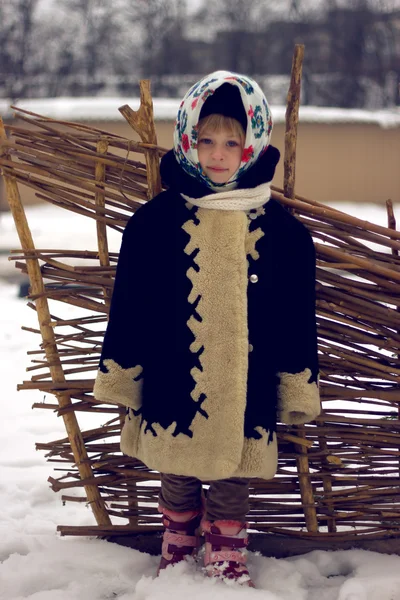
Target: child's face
{"points": [[220, 153]]}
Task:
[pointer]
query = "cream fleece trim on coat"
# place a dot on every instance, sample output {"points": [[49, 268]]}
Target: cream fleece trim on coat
{"points": [[219, 291], [259, 457], [178, 455], [298, 400], [251, 240], [242, 199], [118, 385]]}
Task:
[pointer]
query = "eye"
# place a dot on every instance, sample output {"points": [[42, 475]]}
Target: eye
{"points": [[205, 141], [232, 144]]}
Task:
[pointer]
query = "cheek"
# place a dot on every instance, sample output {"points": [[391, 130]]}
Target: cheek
{"points": [[202, 154], [238, 156]]}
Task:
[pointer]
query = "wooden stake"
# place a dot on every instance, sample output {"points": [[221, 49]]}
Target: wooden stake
{"points": [[101, 227], [37, 287], [142, 121], [292, 118], [327, 485], [395, 252]]}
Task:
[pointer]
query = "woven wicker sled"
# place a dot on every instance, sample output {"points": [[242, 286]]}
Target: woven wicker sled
{"points": [[338, 481]]}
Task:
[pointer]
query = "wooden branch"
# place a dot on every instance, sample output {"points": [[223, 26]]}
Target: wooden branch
{"points": [[142, 121], [292, 119], [292, 116], [100, 175], [395, 252], [329, 215]]}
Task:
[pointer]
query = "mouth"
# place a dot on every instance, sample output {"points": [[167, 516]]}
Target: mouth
{"points": [[217, 169]]}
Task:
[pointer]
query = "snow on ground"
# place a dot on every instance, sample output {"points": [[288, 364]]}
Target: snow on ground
{"points": [[37, 564], [106, 108], [51, 227]]}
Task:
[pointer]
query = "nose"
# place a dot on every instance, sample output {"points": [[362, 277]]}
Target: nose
{"points": [[217, 153]]}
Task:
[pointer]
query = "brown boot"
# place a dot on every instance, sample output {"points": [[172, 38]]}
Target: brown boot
{"points": [[179, 538], [225, 554]]}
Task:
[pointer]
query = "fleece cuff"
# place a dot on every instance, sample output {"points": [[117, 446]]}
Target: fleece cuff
{"points": [[298, 399], [118, 385]]}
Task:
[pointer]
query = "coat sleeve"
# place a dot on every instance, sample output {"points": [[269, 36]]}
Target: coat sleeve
{"points": [[298, 387], [119, 378]]}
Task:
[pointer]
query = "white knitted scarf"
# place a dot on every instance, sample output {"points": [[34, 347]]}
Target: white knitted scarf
{"points": [[243, 199]]}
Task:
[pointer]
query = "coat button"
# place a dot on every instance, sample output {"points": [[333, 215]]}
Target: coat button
{"points": [[251, 347], [253, 278], [253, 215]]}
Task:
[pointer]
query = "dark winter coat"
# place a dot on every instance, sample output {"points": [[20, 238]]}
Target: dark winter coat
{"points": [[212, 332]]}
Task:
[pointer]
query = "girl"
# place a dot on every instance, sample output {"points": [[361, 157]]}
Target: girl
{"points": [[212, 331]]}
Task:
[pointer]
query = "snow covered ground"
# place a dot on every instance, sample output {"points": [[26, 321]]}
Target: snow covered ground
{"points": [[106, 108], [37, 564]]}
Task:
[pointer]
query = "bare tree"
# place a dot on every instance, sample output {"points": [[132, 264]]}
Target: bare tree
{"points": [[237, 27], [16, 40], [382, 56], [87, 47], [364, 52], [99, 47], [76, 47], [152, 22]]}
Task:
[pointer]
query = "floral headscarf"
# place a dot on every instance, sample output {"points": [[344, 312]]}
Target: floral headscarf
{"points": [[258, 133]]}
